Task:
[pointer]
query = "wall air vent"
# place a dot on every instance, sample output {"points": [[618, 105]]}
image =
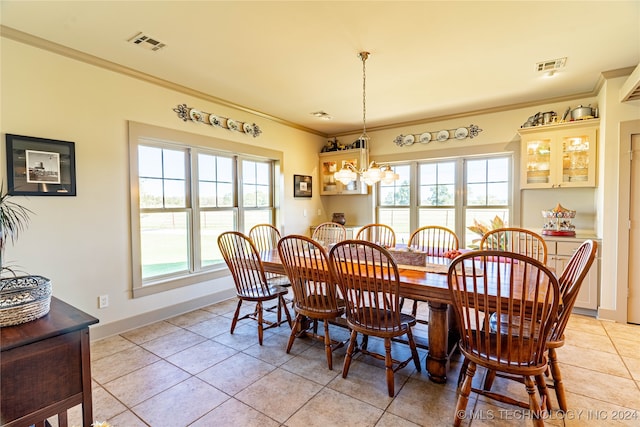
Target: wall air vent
{"points": [[147, 42], [551, 65]]}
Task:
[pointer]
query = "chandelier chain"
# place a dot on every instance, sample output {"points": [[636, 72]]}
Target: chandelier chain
{"points": [[364, 56]]}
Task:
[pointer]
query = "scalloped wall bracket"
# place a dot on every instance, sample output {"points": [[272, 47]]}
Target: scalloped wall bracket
{"points": [[443, 135], [187, 113]]}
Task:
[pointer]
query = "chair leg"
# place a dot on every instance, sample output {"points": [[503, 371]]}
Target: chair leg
{"points": [[286, 311], [327, 345], [543, 391], [365, 342], [464, 391], [534, 403], [462, 373], [294, 332], [488, 379], [235, 317], [388, 364], [260, 327], [349, 354], [414, 350], [414, 308], [554, 367]]}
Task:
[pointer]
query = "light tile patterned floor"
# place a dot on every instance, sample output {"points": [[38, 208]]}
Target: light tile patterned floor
{"points": [[189, 371]]}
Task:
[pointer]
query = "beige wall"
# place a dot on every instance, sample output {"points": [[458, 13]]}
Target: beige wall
{"points": [[83, 242]]}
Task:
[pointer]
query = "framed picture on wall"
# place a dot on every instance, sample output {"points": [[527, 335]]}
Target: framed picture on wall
{"points": [[302, 186], [40, 167]]}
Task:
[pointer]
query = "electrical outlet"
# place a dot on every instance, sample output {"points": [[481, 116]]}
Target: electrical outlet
{"points": [[103, 301], [319, 212]]}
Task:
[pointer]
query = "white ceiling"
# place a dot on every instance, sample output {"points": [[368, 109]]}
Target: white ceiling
{"points": [[291, 58]]}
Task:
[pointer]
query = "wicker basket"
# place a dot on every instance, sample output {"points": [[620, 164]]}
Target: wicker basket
{"points": [[23, 299]]}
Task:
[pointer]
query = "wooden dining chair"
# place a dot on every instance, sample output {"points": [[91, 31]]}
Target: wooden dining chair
{"points": [[526, 293], [266, 238], [243, 259], [329, 233], [514, 239], [369, 281], [570, 282], [435, 240], [381, 234], [315, 293]]}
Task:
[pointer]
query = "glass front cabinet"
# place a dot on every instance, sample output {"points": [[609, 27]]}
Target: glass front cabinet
{"points": [[332, 161], [561, 155]]}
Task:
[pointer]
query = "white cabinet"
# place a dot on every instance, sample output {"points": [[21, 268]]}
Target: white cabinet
{"points": [[560, 251], [559, 155], [332, 161]]}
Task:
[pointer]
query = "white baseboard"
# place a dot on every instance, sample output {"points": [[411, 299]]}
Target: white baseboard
{"points": [[101, 331]]}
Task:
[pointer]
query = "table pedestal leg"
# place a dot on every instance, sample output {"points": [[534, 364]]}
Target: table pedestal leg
{"points": [[438, 357]]}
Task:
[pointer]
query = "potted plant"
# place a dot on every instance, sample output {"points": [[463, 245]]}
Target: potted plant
{"points": [[481, 229], [14, 219], [22, 298]]}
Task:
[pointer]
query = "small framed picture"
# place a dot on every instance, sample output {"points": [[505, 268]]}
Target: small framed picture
{"points": [[302, 186], [40, 167]]}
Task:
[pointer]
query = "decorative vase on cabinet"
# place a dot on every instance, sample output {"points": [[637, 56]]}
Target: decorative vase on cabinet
{"points": [[339, 218], [332, 161], [562, 155]]}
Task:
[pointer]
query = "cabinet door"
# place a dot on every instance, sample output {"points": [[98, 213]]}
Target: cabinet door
{"points": [[537, 161], [559, 156], [588, 295], [578, 152], [332, 162]]}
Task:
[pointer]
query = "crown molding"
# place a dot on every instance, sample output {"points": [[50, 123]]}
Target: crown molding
{"points": [[41, 43], [31, 40]]}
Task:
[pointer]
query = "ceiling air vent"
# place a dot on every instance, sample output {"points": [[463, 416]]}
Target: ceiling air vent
{"points": [[322, 115], [551, 65], [147, 42]]}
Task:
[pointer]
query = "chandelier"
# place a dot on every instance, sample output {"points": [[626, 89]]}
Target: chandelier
{"points": [[375, 172]]}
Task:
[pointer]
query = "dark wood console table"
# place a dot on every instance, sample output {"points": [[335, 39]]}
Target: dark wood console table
{"points": [[45, 368]]}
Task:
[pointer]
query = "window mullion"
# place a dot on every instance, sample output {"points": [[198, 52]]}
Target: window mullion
{"points": [[193, 196]]}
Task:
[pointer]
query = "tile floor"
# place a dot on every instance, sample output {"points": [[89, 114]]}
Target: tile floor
{"points": [[189, 371]]}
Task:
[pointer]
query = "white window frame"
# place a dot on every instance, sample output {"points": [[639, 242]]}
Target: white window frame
{"points": [[143, 134], [459, 156]]}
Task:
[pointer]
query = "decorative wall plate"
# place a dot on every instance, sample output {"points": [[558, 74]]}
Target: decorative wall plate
{"points": [[461, 133], [408, 139], [195, 115], [443, 135], [425, 138], [214, 120], [247, 128], [232, 124]]}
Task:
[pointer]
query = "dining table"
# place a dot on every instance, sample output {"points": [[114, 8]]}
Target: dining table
{"points": [[427, 283]]}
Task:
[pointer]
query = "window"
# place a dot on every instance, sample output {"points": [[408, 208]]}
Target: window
{"points": [[487, 192], [395, 203], [437, 184], [448, 192], [183, 197]]}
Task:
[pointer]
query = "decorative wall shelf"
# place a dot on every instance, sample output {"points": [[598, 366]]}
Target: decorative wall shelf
{"points": [[188, 113], [470, 131]]}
